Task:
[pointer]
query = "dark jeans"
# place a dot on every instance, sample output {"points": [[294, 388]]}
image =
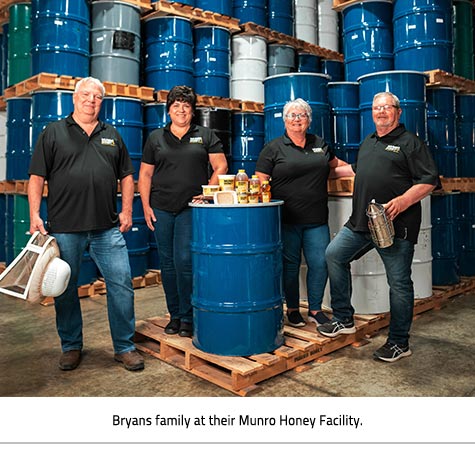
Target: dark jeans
{"points": [[173, 237], [397, 259], [312, 241]]}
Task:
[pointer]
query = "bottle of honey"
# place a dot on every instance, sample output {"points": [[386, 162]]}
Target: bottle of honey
{"points": [[265, 192]]}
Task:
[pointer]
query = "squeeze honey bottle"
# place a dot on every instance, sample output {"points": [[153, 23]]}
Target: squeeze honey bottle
{"points": [[242, 181], [265, 192]]}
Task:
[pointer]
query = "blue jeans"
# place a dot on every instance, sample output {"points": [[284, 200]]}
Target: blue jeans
{"points": [[173, 237], [397, 259], [108, 250], [312, 240]]}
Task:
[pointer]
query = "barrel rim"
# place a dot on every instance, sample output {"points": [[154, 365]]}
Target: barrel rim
{"points": [[362, 2], [206, 25], [116, 2], [312, 74], [392, 72], [340, 83], [166, 17], [224, 206]]}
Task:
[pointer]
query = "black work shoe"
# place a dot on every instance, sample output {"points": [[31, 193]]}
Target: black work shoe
{"points": [[70, 360], [173, 326], [335, 327], [318, 318], [132, 360], [391, 352], [186, 329], [295, 319]]}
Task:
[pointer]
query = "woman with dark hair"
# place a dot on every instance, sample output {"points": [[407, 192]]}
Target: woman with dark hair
{"points": [[175, 164]]}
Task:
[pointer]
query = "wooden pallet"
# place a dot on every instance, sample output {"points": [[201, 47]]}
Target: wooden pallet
{"points": [[196, 15], [273, 36], [458, 184], [339, 5], [48, 81], [343, 185], [241, 375], [251, 106], [441, 78]]}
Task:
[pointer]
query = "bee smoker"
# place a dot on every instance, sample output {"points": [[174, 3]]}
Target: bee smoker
{"points": [[380, 226]]}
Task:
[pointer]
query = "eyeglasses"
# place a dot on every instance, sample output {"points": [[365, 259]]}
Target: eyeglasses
{"points": [[85, 95], [293, 116], [385, 107]]}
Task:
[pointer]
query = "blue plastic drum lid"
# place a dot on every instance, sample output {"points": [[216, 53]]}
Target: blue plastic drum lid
{"points": [[250, 11], [212, 60], [409, 86], [367, 38], [237, 268], [423, 35], [311, 87], [60, 37], [280, 16], [168, 56], [224, 7]]}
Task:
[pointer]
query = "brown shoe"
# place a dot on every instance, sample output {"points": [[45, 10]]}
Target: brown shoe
{"points": [[70, 360], [132, 360]]}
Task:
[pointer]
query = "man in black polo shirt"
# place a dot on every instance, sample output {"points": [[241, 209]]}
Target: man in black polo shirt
{"points": [[395, 168], [82, 158]]}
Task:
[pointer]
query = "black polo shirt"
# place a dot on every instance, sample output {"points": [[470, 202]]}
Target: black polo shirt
{"points": [[82, 173], [299, 177], [385, 168], [181, 165]]}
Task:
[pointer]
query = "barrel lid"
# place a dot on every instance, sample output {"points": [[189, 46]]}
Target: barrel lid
{"points": [[341, 83], [392, 72], [272, 203], [147, 19], [116, 2]]}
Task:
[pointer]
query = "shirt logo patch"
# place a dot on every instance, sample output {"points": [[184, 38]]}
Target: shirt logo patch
{"points": [[196, 140], [108, 142], [317, 150], [393, 148]]}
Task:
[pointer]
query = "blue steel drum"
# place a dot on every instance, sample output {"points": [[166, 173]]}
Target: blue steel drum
{"points": [[48, 106], [3, 210], [247, 141], [60, 37], [465, 112], [466, 232], [308, 63], [155, 116], [280, 16], [137, 239], [250, 11], [224, 7], [2, 62], [441, 129], [212, 60], [115, 42], [343, 98], [367, 38], [280, 59], [423, 35], [444, 239], [18, 138], [153, 256], [168, 55], [311, 87], [408, 86], [125, 114], [333, 68], [4, 73], [237, 287]]}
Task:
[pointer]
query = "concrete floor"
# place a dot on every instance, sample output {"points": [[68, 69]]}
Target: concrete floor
{"points": [[443, 361]]}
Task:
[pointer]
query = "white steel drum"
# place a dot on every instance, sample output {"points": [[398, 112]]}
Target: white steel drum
{"points": [[327, 25], [248, 67], [305, 20]]}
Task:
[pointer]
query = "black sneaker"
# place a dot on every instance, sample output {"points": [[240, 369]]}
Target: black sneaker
{"points": [[173, 326], [335, 327], [318, 318], [391, 352], [295, 319], [186, 329]]}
